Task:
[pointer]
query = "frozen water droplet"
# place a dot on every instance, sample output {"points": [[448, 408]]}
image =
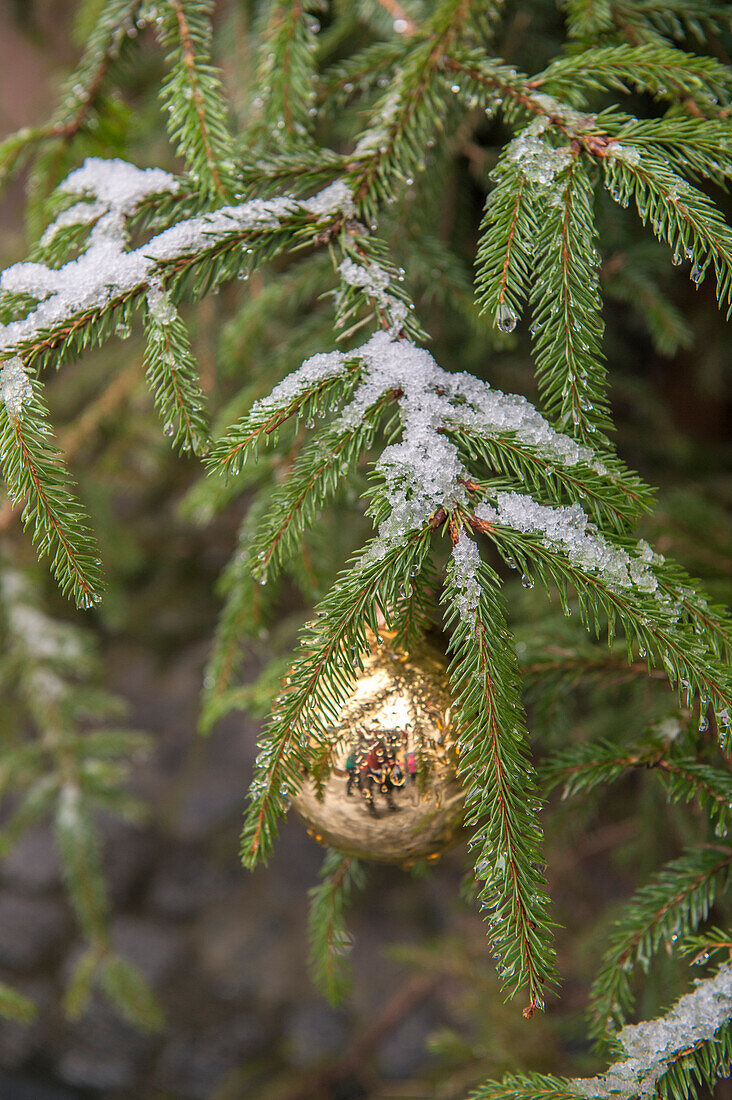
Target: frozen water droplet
{"points": [[696, 274], [527, 580], [677, 259]]}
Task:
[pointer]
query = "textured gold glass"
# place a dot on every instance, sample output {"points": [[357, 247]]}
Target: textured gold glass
{"points": [[392, 794]]}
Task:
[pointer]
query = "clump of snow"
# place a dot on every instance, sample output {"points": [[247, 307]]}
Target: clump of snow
{"points": [[378, 133], [15, 387], [653, 1045], [318, 368], [569, 529], [161, 309], [464, 573], [539, 161], [375, 282], [336, 197], [422, 472], [107, 270], [81, 213], [628, 153]]}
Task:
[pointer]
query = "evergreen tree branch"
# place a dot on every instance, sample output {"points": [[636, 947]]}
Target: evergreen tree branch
{"points": [[193, 254], [501, 802], [662, 71], [82, 91], [319, 683], [586, 767], [314, 478], [414, 109], [670, 906], [568, 325], [508, 232], [33, 470], [285, 79], [242, 616], [679, 214], [652, 625], [260, 426], [615, 497], [192, 95], [341, 876], [172, 374]]}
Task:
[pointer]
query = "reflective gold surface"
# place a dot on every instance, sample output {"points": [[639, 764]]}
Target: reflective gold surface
{"points": [[392, 794]]}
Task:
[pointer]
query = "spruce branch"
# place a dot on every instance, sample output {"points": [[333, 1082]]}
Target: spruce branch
{"points": [[359, 73], [81, 861], [566, 306], [193, 98], [243, 615], [651, 624], [286, 76], [172, 374], [532, 1086], [671, 1057], [507, 235], [260, 426], [341, 876], [371, 288], [83, 301], [313, 479], [586, 767], [406, 119], [675, 901], [80, 98], [69, 769], [679, 214], [33, 471], [319, 682], [501, 802], [614, 496], [695, 147], [661, 71]]}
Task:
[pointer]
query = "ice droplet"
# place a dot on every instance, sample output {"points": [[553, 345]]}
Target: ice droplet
{"points": [[527, 581], [696, 274]]}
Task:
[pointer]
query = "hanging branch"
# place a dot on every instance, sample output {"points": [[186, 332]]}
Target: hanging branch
{"points": [[501, 801]]}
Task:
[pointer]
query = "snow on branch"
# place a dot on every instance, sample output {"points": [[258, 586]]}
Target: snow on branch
{"points": [[570, 530], [652, 1046], [107, 271], [423, 471]]}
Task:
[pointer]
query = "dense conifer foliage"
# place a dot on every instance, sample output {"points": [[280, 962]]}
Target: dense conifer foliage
{"points": [[385, 208]]}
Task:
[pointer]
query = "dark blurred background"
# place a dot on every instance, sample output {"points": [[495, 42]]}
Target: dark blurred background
{"points": [[226, 950]]}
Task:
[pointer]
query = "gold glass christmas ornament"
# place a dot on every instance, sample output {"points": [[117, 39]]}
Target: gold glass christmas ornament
{"points": [[392, 794]]}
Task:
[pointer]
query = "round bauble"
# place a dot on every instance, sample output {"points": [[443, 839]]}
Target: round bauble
{"points": [[392, 794]]}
